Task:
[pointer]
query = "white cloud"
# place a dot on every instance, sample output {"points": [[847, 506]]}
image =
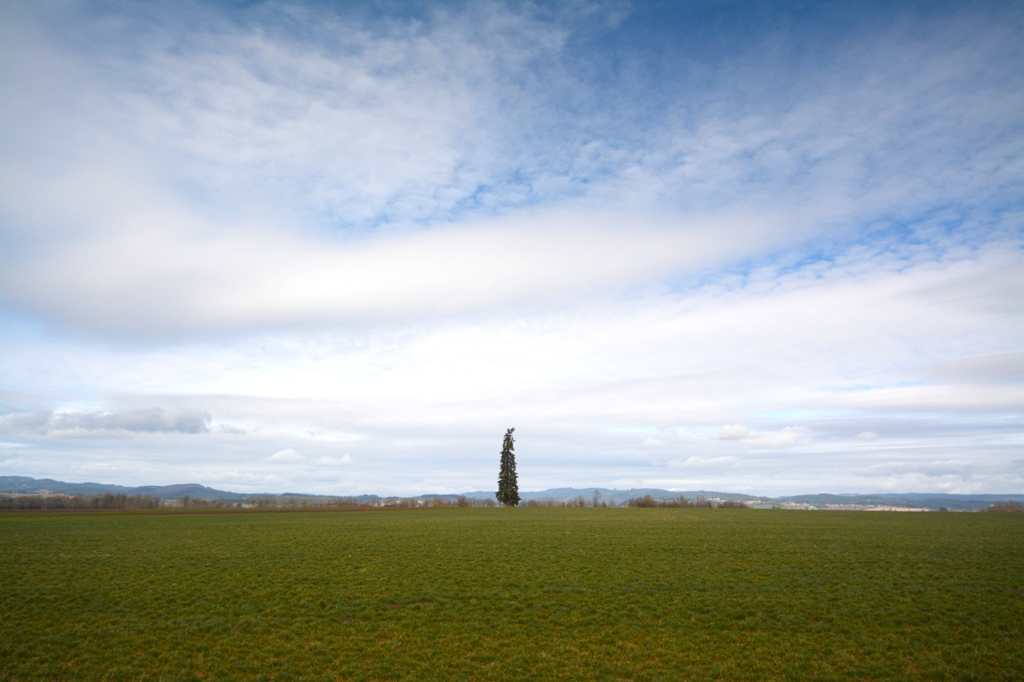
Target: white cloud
{"points": [[286, 455], [701, 462], [930, 398], [335, 461], [784, 437], [64, 423], [251, 278], [732, 432], [866, 435]]}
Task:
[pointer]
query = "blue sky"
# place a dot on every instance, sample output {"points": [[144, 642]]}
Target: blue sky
{"points": [[330, 247]]}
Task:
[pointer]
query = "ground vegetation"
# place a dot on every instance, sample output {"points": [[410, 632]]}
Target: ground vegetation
{"points": [[528, 593]]}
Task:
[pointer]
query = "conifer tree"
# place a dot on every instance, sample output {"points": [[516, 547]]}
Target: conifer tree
{"points": [[508, 484]]}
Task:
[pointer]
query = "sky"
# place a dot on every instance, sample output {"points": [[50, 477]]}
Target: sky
{"points": [[338, 248]]}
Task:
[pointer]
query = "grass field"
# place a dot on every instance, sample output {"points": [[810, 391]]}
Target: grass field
{"points": [[502, 594]]}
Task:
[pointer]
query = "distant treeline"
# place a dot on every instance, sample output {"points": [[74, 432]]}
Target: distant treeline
{"points": [[287, 501], [104, 501], [683, 503], [646, 501], [123, 501], [1006, 507], [571, 502]]}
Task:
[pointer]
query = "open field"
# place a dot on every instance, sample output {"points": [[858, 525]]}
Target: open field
{"points": [[499, 594]]}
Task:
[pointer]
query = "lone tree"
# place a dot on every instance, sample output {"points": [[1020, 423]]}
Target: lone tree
{"points": [[508, 485]]}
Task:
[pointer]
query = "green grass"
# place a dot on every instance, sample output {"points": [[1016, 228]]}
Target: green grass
{"points": [[503, 594]]}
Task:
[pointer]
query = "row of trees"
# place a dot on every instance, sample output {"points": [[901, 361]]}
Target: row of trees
{"points": [[298, 502], [580, 501], [189, 502], [1006, 507], [104, 501], [122, 501], [683, 503], [302, 502], [645, 501], [292, 502]]}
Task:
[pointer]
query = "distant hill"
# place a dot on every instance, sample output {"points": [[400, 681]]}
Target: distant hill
{"points": [[25, 485]]}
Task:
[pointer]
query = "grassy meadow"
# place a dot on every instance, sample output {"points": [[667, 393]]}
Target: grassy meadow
{"points": [[504, 594]]}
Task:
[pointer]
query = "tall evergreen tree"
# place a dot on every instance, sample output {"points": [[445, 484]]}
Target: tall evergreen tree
{"points": [[508, 484]]}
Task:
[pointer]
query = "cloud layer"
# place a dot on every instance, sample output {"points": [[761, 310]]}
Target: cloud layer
{"points": [[68, 423], [703, 249], [191, 154]]}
